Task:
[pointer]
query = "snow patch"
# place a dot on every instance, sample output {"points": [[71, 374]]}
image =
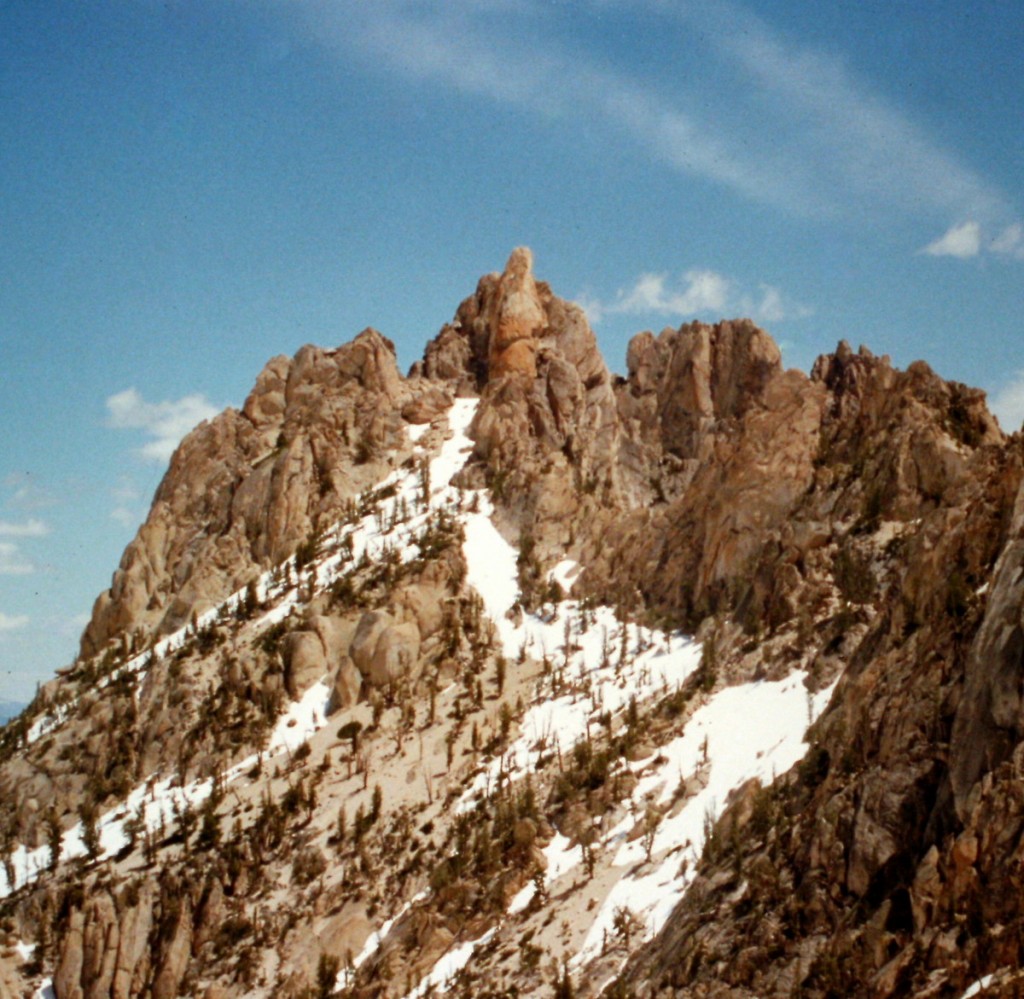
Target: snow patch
{"points": [[565, 574], [976, 987], [561, 857], [755, 730], [449, 965], [302, 719]]}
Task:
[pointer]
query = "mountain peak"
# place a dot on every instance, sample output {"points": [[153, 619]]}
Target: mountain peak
{"points": [[518, 319], [444, 584]]}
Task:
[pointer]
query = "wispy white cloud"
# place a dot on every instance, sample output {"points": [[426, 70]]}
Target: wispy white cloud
{"points": [[782, 123], [961, 241], [697, 292], [127, 510], [827, 118], [26, 493], [459, 46], [1010, 241], [11, 622], [12, 562], [700, 291], [165, 422], [125, 517], [593, 307], [965, 240], [1008, 403], [125, 491], [32, 528]]}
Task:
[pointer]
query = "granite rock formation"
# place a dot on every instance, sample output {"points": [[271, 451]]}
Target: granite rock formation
{"points": [[860, 524]]}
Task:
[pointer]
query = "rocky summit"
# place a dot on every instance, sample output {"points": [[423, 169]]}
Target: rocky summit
{"points": [[514, 677]]}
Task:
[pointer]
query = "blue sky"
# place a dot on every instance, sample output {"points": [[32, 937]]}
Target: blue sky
{"points": [[191, 188]]}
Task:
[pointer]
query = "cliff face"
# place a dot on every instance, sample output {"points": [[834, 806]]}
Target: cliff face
{"points": [[395, 554], [863, 871], [243, 490]]}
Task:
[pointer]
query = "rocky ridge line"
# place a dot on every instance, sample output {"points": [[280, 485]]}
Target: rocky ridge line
{"points": [[861, 521]]}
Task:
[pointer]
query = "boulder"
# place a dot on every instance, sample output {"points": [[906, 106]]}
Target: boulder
{"points": [[67, 977], [304, 661], [346, 932], [423, 603], [395, 654], [175, 956], [517, 319], [364, 642], [335, 635], [345, 685], [427, 405]]}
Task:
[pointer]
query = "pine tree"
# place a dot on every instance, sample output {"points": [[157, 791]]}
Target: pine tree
{"points": [[563, 985], [90, 833], [54, 836]]}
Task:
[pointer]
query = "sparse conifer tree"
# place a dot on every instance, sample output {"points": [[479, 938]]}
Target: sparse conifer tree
{"points": [[185, 817], [90, 832], [588, 858], [209, 829], [54, 836], [505, 722], [425, 482], [563, 984], [8, 864], [327, 974]]}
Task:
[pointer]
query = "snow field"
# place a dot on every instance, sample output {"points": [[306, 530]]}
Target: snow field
{"points": [[756, 730], [753, 730], [157, 803]]}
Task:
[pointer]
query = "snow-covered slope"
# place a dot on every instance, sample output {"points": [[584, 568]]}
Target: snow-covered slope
{"points": [[595, 674]]}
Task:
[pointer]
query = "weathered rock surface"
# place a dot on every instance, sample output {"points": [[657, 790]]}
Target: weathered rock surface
{"points": [[912, 490], [105, 952], [860, 521], [384, 651], [546, 432], [245, 489], [989, 722]]}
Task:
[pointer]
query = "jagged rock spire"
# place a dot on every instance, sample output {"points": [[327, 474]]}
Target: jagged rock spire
{"points": [[518, 319]]}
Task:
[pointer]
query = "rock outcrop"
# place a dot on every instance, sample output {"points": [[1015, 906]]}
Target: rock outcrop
{"points": [[989, 722], [910, 507], [546, 433], [862, 524], [245, 489]]}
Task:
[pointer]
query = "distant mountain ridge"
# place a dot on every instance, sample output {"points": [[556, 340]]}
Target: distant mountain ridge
{"points": [[510, 677]]}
